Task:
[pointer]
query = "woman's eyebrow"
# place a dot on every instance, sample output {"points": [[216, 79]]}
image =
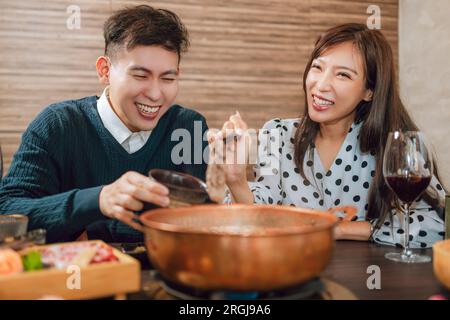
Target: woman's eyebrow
{"points": [[320, 60], [346, 68]]}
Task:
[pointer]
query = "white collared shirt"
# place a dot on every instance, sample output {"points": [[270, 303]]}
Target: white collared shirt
{"points": [[130, 141]]}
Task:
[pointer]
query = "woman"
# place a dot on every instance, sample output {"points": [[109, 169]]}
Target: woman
{"points": [[333, 154]]}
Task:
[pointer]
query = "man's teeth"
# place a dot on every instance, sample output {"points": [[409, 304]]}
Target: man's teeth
{"points": [[147, 109], [322, 102]]}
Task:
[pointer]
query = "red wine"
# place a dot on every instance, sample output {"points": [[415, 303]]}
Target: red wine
{"points": [[408, 188]]}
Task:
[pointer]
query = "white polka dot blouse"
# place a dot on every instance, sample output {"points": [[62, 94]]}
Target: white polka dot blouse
{"points": [[347, 182]]}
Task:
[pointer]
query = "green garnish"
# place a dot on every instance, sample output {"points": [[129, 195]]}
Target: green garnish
{"points": [[32, 261]]}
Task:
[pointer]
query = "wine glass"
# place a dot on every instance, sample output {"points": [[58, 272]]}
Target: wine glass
{"points": [[407, 169]]}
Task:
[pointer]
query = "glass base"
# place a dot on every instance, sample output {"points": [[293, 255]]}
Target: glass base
{"points": [[407, 258]]}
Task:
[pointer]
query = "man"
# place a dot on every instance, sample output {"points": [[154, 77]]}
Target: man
{"points": [[83, 162]]}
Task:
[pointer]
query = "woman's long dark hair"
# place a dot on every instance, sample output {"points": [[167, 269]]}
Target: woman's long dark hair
{"points": [[384, 113]]}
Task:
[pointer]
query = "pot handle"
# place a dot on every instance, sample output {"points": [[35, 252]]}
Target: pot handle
{"points": [[350, 212], [137, 225]]}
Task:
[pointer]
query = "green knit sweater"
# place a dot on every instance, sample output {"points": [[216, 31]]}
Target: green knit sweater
{"points": [[67, 155]]}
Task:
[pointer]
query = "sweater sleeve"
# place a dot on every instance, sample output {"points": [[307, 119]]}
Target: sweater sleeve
{"points": [[32, 185]]}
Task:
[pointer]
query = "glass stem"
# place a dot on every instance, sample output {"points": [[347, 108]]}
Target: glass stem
{"points": [[406, 250]]}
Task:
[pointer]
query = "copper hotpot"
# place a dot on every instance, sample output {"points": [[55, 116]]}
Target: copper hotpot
{"points": [[240, 247]]}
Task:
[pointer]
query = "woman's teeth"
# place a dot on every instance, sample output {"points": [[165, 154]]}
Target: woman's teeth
{"points": [[321, 102], [147, 109]]}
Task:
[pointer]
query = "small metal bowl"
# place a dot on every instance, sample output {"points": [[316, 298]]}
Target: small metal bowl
{"points": [[184, 189], [13, 225]]}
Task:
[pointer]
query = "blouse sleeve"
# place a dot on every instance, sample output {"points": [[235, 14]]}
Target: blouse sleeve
{"points": [[426, 225], [266, 188]]}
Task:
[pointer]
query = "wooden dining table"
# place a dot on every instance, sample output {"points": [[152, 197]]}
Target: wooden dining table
{"points": [[353, 266], [355, 262]]}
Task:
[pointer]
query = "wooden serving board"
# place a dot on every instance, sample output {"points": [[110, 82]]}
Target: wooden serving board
{"points": [[97, 280]]}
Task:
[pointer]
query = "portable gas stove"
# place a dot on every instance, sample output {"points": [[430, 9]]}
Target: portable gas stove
{"points": [[155, 287]]}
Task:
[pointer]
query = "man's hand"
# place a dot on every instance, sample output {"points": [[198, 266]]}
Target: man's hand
{"points": [[127, 194]]}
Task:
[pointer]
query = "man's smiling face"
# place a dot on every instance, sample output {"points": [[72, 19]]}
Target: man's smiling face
{"points": [[143, 84]]}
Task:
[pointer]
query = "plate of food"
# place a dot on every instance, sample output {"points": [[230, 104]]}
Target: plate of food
{"points": [[73, 270]]}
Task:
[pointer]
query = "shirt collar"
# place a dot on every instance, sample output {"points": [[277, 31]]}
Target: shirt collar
{"points": [[144, 134], [110, 119]]}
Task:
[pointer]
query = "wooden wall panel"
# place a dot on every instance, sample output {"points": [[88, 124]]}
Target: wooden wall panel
{"points": [[245, 55], [10, 141], [41, 60], [328, 13]]}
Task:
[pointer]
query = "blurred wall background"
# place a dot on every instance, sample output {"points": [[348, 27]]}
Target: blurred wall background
{"points": [[424, 50], [247, 55]]}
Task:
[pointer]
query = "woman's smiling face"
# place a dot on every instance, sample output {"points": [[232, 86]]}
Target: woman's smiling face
{"points": [[335, 84]]}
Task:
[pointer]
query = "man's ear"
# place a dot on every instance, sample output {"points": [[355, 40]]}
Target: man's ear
{"points": [[368, 95], [103, 66]]}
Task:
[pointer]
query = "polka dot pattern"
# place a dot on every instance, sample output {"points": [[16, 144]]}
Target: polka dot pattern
{"points": [[346, 182]]}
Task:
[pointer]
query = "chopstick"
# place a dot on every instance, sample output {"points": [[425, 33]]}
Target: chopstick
{"points": [[231, 137]]}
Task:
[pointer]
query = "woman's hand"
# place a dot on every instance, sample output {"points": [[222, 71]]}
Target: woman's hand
{"points": [[229, 149], [352, 230], [230, 146], [348, 228]]}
